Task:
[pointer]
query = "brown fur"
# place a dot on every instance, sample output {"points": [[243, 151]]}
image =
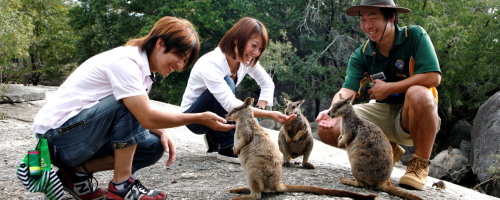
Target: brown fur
{"points": [[439, 184], [261, 160], [368, 149], [295, 138]]}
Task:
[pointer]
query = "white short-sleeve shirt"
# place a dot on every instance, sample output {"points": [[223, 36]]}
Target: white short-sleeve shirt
{"points": [[209, 72], [121, 72]]}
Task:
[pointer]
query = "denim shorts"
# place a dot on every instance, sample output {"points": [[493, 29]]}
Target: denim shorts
{"points": [[95, 132]]}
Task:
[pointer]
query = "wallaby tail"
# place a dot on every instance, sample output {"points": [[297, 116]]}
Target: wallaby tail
{"points": [[387, 187], [324, 191]]}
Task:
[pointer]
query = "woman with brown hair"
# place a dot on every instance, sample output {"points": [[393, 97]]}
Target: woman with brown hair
{"points": [[215, 76], [101, 118]]}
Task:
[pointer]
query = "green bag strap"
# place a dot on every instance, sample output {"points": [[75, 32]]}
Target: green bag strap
{"points": [[45, 154]]}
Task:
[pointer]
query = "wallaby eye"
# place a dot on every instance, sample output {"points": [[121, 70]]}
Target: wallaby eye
{"points": [[293, 107]]}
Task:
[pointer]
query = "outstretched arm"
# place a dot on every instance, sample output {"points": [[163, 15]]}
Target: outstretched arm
{"points": [[152, 118], [277, 116]]}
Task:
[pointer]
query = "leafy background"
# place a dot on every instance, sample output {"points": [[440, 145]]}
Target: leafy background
{"points": [[41, 42]]}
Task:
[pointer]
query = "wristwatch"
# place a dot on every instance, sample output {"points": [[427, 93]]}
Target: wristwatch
{"points": [[259, 107]]}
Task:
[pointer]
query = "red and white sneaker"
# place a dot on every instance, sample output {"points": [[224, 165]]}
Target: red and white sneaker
{"points": [[134, 190], [81, 188]]}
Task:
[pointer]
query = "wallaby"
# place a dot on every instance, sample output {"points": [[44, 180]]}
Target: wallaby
{"points": [[261, 159], [368, 149], [439, 184], [295, 138]]}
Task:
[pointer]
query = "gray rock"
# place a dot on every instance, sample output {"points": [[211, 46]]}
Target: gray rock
{"points": [[466, 148], [485, 138], [196, 176], [461, 131], [15, 93], [446, 162]]}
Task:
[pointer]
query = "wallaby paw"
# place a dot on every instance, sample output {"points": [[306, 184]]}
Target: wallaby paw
{"points": [[351, 182], [287, 164], [239, 190], [308, 165]]}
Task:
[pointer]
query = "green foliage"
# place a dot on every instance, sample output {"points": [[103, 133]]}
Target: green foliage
{"points": [[16, 29], [168, 89], [307, 77], [495, 169], [310, 41], [277, 55], [38, 43], [466, 37], [103, 25]]}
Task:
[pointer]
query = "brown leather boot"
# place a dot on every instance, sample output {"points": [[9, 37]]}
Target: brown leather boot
{"points": [[397, 152], [416, 173]]}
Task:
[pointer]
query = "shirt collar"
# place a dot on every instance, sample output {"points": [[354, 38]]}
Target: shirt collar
{"points": [[146, 71]]}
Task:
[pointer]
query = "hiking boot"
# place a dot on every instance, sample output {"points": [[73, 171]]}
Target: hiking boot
{"points": [[228, 155], [416, 173], [133, 189], [80, 187], [213, 146], [397, 152]]}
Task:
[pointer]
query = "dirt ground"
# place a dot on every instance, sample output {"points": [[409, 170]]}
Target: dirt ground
{"points": [[194, 175]]}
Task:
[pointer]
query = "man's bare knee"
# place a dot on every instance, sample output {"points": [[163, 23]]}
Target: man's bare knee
{"points": [[328, 136], [420, 96]]}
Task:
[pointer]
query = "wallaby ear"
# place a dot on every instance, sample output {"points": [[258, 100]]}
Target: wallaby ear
{"points": [[302, 101], [248, 102], [286, 100]]}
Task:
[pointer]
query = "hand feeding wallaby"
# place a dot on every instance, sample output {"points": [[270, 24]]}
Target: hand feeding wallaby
{"points": [[261, 160], [368, 149], [295, 138]]}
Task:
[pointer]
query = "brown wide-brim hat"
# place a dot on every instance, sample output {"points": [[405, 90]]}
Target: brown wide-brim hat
{"points": [[354, 10]]}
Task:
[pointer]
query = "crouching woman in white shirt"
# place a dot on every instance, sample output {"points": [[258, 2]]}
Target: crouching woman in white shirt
{"points": [[214, 77]]}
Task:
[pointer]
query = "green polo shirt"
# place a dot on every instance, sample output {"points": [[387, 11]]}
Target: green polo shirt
{"points": [[410, 42]]}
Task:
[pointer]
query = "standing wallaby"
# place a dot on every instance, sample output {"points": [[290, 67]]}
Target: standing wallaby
{"points": [[368, 149], [295, 138], [261, 160]]}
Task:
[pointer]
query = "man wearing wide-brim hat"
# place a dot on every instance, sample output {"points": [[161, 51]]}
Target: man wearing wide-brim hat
{"points": [[402, 69]]}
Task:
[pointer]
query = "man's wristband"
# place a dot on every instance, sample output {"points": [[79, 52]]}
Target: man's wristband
{"points": [[259, 107]]}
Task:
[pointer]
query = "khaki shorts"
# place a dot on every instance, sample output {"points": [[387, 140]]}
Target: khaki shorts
{"points": [[388, 118]]}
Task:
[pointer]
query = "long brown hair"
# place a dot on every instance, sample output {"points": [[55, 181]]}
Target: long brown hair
{"points": [[241, 33], [177, 34]]}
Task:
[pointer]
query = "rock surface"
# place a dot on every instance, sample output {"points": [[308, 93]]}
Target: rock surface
{"points": [[194, 175], [447, 161], [485, 137]]}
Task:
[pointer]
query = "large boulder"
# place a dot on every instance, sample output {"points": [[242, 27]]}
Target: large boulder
{"points": [[485, 137], [461, 131], [447, 162], [16, 93]]}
